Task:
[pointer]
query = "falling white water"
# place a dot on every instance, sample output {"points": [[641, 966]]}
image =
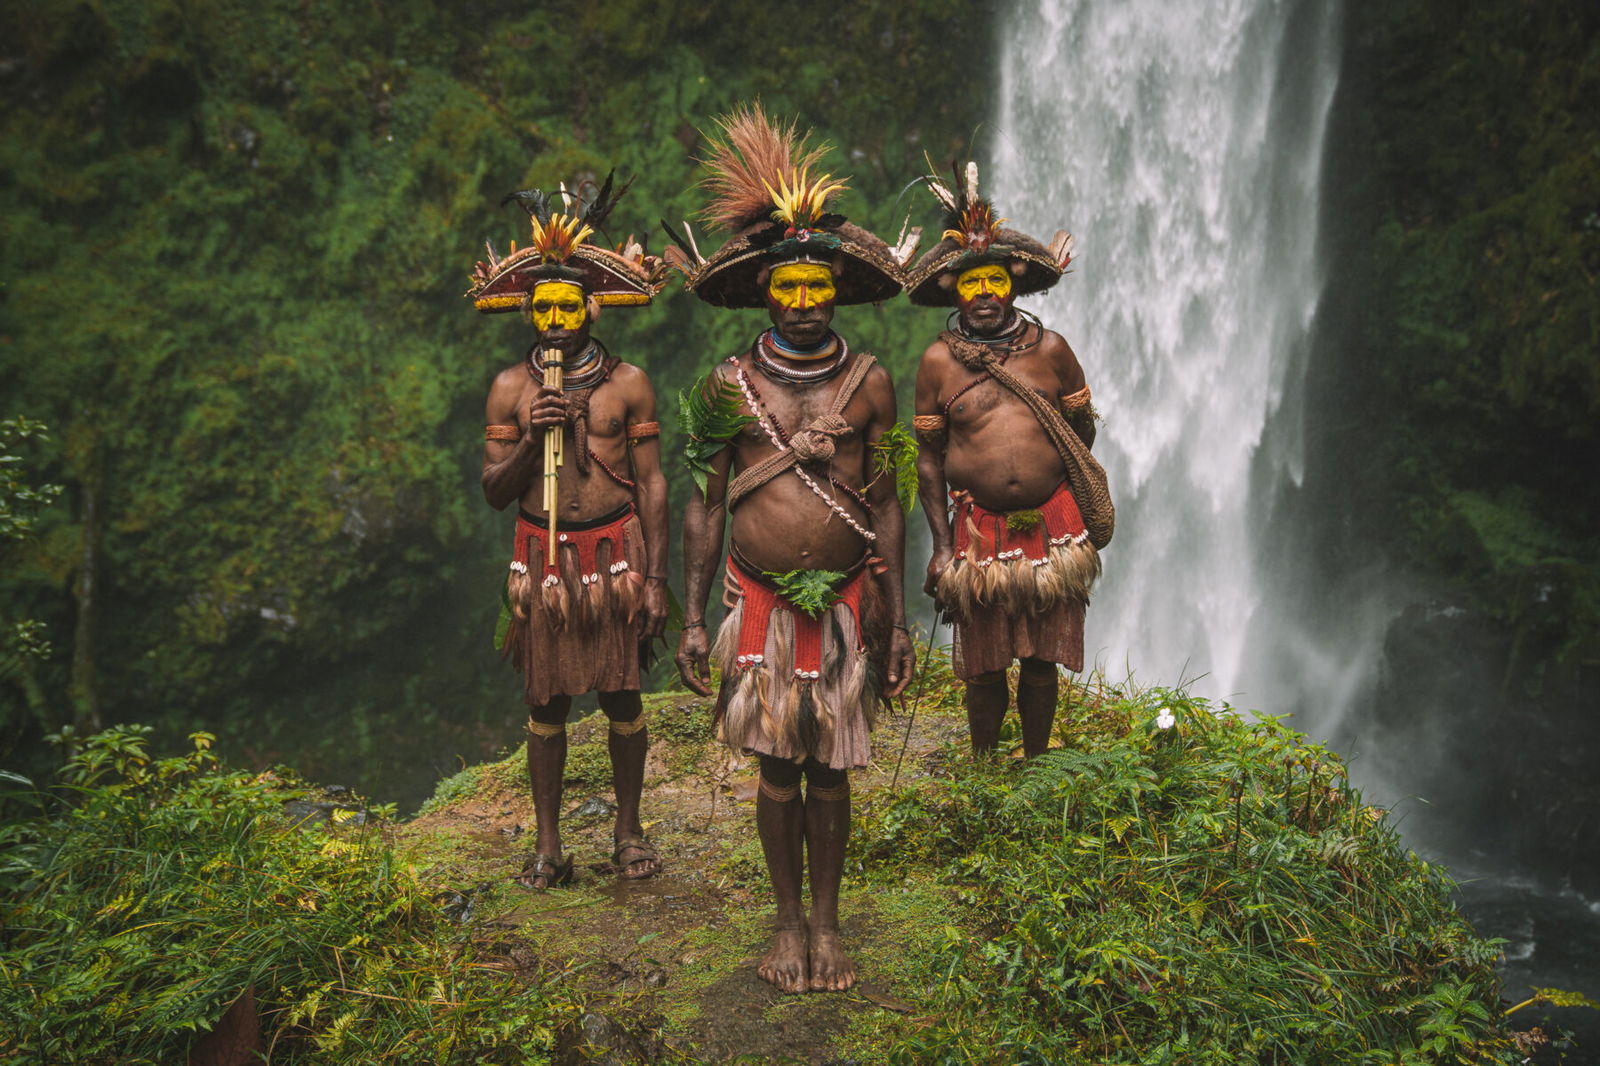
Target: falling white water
{"points": [[1181, 142]]}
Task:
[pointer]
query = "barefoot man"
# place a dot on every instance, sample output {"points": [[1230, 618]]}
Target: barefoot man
{"points": [[581, 623], [816, 628], [1005, 424]]}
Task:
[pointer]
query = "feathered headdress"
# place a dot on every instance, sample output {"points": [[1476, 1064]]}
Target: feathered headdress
{"points": [[559, 250], [974, 236], [764, 188]]}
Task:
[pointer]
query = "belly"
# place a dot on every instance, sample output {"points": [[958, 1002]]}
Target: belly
{"points": [[783, 526], [1006, 464]]}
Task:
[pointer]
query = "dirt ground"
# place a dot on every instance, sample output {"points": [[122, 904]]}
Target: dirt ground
{"points": [[667, 965]]}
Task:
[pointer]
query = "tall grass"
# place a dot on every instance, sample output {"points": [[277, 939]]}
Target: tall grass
{"points": [[142, 899], [1179, 884]]}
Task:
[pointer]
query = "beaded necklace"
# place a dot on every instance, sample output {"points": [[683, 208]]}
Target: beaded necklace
{"points": [[778, 363]]}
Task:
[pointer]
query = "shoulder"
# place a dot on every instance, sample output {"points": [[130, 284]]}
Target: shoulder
{"points": [[508, 385], [514, 376], [937, 354], [630, 377]]}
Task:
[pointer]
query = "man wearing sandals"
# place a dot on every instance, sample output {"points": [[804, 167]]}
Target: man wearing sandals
{"points": [[1005, 423], [583, 623], [815, 633]]}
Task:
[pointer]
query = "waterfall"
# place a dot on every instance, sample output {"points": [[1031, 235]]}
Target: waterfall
{"points": [[1181, 144]]}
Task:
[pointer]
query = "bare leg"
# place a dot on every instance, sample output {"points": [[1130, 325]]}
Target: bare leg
{"points": [[1036, 704], [780, 819], [547, 762], [827, 832], [628, 741], [986, 709]]}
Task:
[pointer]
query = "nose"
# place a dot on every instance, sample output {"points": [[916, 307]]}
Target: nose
{"points": [[804, 302]]}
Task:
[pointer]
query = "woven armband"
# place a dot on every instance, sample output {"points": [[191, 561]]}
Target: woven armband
{"points": [[927, 423], [506, 433], [1077, 402], [642, 430]]}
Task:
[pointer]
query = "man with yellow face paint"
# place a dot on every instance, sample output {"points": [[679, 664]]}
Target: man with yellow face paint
{"points": [[787, 432], [583, 623], [1005, 424]]}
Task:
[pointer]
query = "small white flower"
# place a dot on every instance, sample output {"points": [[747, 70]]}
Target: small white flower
{"points": [[1166, 719]]}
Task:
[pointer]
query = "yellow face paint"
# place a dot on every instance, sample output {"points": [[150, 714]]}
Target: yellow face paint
{"points": [[558, 305], [992, 280], [801, 285]]}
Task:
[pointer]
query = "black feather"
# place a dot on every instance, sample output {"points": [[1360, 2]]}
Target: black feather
{"points": [[675, 238], [604, 201], [533, 201]]}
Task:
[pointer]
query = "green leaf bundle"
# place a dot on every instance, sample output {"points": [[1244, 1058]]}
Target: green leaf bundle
{"points": [[709, 417], [896, 454]]}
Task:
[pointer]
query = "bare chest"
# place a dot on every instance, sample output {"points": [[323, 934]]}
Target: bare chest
{"points": [[968, 398], [608, 410]]}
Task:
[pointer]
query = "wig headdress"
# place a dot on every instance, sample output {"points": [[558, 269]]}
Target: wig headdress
{"points": [[975, 236], [764, 187], [560, 250]]}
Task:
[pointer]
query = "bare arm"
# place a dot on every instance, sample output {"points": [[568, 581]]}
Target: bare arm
{"points": [[1081, 418], [703, 522], [511, 467], [889, 523], [931, 485], [651, 495]]}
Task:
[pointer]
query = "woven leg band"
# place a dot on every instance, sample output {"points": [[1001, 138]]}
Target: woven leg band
{"points": [[779, 793], [1040, 679], [987, 680], [837, 792], [627, 729], [547, 730]]}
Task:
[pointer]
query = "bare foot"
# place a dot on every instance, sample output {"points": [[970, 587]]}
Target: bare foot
{"points": [[831, 968], [785, 963]]}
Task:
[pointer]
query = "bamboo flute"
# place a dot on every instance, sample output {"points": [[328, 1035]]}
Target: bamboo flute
{"points": [[551, 361]]}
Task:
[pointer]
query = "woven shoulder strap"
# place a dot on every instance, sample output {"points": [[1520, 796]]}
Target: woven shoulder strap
{"points": [[752, 478]]}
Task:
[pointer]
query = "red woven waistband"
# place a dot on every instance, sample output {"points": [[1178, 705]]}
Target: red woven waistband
{"points": [[532, 541], [761, 598], [983, 535]]}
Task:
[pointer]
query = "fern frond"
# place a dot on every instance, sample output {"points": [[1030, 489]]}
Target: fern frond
{"points": [[813, 591], [896, 454], [709, 417]]}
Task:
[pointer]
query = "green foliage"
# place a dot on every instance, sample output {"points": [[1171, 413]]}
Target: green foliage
{"points": [[1480, 314], [895, 454], [708, 417], [236, 240], [20, 501], [813, 591], [1209, 892], [135, 915]]}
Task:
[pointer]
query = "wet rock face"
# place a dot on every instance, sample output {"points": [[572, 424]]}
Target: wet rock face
{"points": [[1502, 759]]}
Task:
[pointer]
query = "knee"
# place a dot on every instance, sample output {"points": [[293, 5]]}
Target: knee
{"points": [[993, 679], [780, 772], [624, 710], [549, 719], [1038, 672]]}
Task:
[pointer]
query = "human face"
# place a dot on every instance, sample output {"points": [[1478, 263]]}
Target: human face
{"points": [[559, 315], [983, 296], [800, 298]]}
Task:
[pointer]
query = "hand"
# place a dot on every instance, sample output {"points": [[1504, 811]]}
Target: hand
{"points": [[547, 408], [942, 558], [653, 613], [694, 660], [902, 662]]}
